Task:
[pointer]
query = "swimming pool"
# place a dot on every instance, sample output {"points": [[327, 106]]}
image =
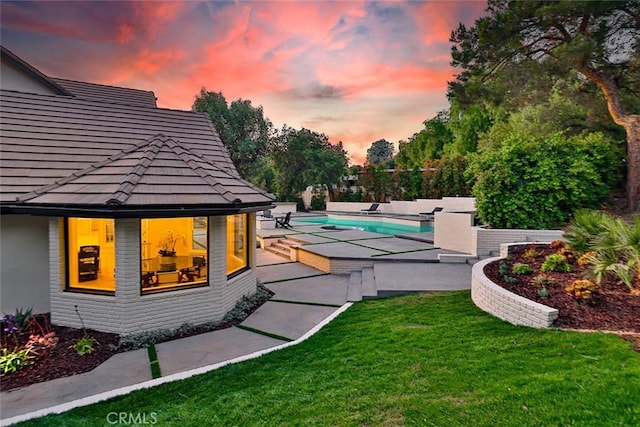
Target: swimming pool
{"points": [[377, 226]]}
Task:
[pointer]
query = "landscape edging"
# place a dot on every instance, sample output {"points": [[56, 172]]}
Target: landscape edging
{"points": [[506, 305]]}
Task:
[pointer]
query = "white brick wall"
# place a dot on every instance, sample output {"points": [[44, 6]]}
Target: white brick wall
{"points": [[489, 240], [128, 311], [506, 305]]}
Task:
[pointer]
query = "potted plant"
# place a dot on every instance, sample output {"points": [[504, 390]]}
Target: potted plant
{"points": [[167, 252]]}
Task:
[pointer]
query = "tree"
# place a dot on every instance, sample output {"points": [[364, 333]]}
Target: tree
{"points": [[599, 39], [380, 153], [302, 158], [242, 127], [538, 182], [429, 143]]}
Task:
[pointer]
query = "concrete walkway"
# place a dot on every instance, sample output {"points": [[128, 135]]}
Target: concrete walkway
{"points": [[305, 299]]}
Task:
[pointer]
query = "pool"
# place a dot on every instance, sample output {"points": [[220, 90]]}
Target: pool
{"points": [[380, 227]]}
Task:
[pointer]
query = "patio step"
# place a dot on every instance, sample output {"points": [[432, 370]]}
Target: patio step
{"points": [[354, 290], [369, 287], [282, 247]]}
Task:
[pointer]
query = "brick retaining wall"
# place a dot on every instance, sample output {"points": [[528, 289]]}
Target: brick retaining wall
{"points": [[506, 305]]}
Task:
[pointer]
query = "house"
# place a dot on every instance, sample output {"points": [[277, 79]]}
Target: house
{"points": [[131, 215]]}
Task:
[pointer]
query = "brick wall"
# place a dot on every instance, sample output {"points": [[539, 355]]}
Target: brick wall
{"points": [[506, 305], [489, 240], [128, 311]]}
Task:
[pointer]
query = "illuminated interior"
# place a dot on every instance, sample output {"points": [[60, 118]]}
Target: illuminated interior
{"points": [[91, 254], [237, 248], [173, 252]]}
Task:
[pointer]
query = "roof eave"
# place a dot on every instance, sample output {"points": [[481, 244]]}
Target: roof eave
{"points": [[147, 211]]}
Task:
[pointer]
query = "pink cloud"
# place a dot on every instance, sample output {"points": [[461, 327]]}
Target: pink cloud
{"points": [[356, 71]]}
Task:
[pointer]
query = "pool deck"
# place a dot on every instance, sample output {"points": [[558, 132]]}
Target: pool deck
{"points": [[343, 243]]}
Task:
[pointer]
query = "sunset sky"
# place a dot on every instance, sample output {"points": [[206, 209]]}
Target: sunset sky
{"points": [[356, 71]]}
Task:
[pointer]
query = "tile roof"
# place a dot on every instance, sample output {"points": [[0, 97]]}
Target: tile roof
{"points": [[61, 150], [111, 94]]}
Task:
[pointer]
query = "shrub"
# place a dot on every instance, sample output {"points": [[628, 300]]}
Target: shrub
{"points": [[543, 281], [614, 246], [85, 345], [521, 269], [531, 253], [13, 361], [586, 258], [538, 182], [581, 289], [557, 263]]}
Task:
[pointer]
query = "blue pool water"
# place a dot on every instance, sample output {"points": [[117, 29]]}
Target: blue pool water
{"points": [[372, 226]]}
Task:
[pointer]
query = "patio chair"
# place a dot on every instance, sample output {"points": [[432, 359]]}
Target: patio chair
{"points": [[284, 221], [372, 209], [432, 213]]}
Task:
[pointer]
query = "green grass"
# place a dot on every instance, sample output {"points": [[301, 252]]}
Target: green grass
{"points": [[426, 360]]}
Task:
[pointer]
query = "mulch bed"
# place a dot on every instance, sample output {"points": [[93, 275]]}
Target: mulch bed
{"points": [[612, 307], [61, 360]]}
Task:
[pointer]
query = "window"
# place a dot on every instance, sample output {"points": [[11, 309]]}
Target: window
{"points": [[91, 257], [237, 247], [173, 253]]}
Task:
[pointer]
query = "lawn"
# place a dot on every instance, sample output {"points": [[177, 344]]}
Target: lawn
{"points": [[427, 359]]}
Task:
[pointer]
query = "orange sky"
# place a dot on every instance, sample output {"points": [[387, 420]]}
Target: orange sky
{"points": [[356, 71]]}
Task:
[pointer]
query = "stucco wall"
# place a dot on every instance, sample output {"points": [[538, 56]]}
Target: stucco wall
{"points": [[128, 311], [453, 231], [24, 263]]}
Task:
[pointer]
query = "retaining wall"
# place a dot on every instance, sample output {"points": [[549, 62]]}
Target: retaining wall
{"points": [[506, 305]]}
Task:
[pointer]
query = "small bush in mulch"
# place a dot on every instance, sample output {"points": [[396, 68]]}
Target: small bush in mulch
{"points": [[609, 305]]}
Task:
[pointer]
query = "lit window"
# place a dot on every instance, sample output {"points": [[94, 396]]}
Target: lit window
{"points": [[91, 254], [173, 253], [237, 248]]}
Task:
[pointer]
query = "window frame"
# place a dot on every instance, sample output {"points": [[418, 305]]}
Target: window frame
{"points": [[152, 290], [67, 263], [247, 250]]}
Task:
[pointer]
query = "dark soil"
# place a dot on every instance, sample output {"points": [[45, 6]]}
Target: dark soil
{"points": [[61, 360], [612, 307]]}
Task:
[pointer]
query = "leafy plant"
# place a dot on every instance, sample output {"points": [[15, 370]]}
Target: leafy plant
{"points": [[504, 268], [557, 263], [581, 289], [509, 279], [531, 182], [543, 281], [85, 345], [22, 318], [543, 292], [586, 258], [531, 253], [584, 229], [521, 269], [13, 361]]}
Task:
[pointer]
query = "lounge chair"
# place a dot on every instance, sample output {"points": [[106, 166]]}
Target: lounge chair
{"points": [[284, 221], [432, 213], [372, 209]]}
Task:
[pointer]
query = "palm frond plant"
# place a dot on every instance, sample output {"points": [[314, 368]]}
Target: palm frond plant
{"points": [[616, 247]]}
